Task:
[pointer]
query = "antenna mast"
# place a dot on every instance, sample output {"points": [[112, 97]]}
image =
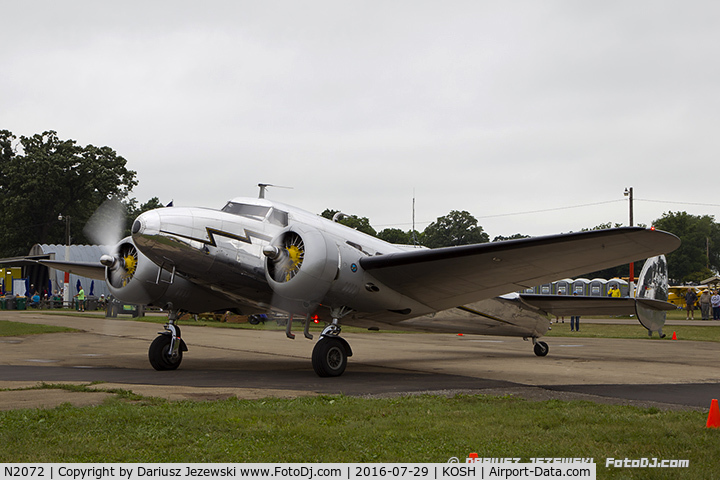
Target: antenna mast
{"points": [[263, 187], [414, 238]]}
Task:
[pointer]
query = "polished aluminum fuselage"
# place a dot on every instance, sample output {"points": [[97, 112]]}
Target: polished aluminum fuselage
{"points": [[222, 253]]}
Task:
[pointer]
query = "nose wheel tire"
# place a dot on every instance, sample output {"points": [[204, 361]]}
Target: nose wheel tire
{"points": [[541, 349], [159, 354], [329, 357]]}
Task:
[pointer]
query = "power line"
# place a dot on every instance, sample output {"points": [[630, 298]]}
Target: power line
{"points": [[528, 212], [551, 209], [678, 203], [568, 207]]}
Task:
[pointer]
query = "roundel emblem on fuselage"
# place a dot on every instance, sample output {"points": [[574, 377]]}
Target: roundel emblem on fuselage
{"points": [[353, 267]]}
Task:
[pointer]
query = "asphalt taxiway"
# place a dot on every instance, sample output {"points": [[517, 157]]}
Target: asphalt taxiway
{"points": [[220, 363]]}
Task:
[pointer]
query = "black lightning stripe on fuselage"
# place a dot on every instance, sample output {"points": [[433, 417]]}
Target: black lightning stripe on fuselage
{"points": [[212, 232]]}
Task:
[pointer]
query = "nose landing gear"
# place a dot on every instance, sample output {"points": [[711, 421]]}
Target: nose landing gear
{"points": [[166, 351], [541, 348]]}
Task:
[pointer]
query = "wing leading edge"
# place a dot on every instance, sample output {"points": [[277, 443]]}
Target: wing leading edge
{"points": [[447, 277]]}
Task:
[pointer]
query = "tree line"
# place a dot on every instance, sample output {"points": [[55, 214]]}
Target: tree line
{"points": [[47, 183], [43, 177]]}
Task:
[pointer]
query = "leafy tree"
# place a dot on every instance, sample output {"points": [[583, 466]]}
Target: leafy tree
{"points": [[46, 176], [361, 224], [690, 262], [455, 228], [397, 236], [517, 236], [329, 214]]}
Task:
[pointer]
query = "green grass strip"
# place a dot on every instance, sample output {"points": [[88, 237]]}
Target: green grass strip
{"points": [[597, 330], [347, 429], [13, 329]]}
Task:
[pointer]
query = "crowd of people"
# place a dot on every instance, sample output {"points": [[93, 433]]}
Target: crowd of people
{"points": [[709, 304], [35, 300]]}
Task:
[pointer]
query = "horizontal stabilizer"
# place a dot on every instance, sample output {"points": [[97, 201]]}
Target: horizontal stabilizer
{"points": [[565, 306], [650, 305]]}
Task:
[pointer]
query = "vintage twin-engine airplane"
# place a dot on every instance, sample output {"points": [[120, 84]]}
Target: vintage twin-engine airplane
{"points": [[256, 255]]}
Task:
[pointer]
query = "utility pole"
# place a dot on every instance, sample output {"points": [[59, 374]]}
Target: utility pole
{"points": [[629, 194], [66, 285]]}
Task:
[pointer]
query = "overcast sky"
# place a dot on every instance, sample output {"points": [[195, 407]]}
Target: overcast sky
{"points": [[497, 108]]}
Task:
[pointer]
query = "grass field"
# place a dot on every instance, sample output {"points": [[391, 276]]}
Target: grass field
{"points": [[13, 329], [597, 330], [346, 429]]}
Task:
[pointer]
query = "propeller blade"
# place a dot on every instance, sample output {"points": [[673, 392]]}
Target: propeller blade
{"points": [[107, 224]]}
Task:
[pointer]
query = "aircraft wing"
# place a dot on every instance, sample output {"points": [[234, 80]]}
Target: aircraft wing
{"points": [[27, 260], [95, 271], [443, 278]]}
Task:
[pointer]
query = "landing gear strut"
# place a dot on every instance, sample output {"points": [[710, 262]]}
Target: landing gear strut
{"points": [[166, 351]]}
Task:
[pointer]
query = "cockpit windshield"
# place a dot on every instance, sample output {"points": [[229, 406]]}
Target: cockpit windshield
{"points": [[257, 212]]}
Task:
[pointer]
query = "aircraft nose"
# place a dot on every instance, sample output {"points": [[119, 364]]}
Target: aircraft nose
{"points": [[146, 227]]}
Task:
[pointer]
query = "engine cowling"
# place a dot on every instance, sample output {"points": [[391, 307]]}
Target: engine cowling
{"points": [[301, 264], [131, 276]]}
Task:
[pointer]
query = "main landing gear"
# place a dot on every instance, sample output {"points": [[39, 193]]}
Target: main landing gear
{"points": [[166, 351], [330, 354]]}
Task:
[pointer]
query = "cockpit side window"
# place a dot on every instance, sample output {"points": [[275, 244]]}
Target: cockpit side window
{"points": [[278, 217], [256, 212]]}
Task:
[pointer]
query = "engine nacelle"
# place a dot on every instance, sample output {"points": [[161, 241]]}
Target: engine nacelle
{"points": [[301, 264], [133, 278], [306, 267]]}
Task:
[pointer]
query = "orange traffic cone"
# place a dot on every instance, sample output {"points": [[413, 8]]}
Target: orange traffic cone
{"points": [[674, 336], [713, 420]]}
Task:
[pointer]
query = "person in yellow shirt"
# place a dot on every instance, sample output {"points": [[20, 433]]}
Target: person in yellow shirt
{"points": [[81, 299]]}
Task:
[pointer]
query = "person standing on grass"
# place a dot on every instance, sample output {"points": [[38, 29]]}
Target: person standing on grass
{"points": [[81, 299], [705, 305], [715, 302], [690, 300], [575, 321]]}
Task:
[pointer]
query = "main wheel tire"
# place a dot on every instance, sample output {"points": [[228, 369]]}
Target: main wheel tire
{"points": [[541, 349], [159, 357], [329, 357]]}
